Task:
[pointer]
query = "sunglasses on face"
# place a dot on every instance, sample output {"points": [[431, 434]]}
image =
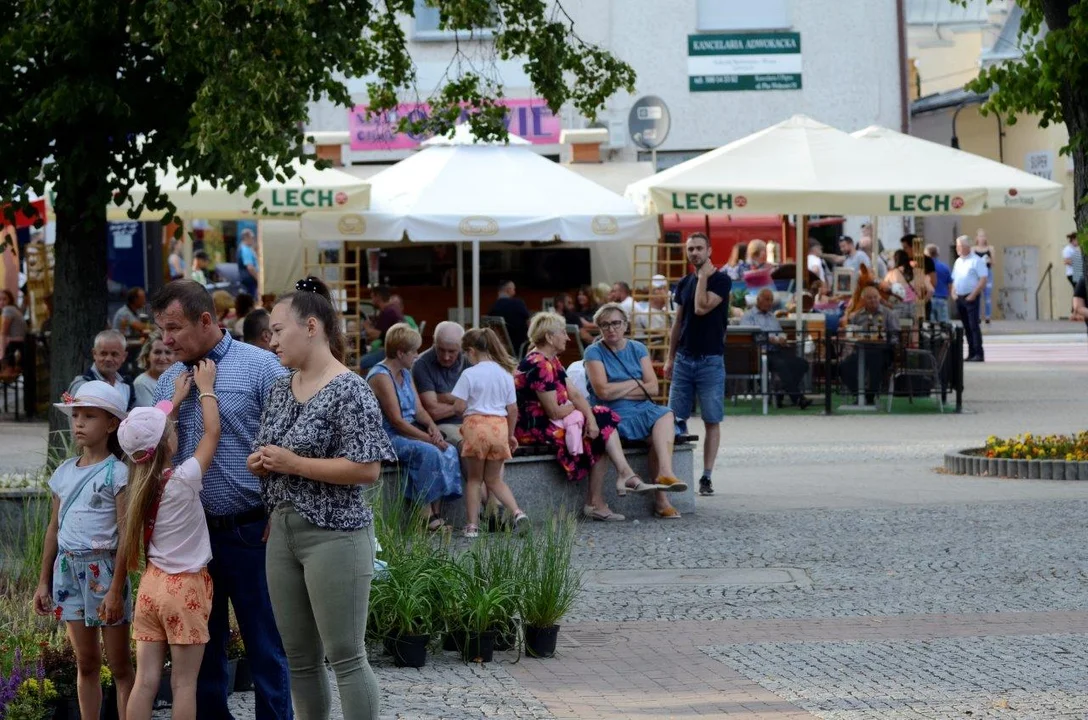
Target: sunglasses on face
{"points": [[613, 325]]}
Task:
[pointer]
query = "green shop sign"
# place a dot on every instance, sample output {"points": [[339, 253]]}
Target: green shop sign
{"points": [[704, 201], [302, 197], [744, 61]]}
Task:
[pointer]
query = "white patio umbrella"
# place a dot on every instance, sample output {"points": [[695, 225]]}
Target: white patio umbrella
{"points": [[1005, 185], [456, 190], [309, 189], [803, 166]]}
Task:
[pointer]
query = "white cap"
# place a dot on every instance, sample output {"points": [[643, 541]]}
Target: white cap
{"points": [[96, 394], [659, 281], [141, 432]]}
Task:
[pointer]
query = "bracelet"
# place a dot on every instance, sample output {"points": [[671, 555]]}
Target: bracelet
{"points": [[201, 396]]}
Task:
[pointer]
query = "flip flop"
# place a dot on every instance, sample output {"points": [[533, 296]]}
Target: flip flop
{"points": [[435, 524], [671, 484], [669, 513], [593, 513]]}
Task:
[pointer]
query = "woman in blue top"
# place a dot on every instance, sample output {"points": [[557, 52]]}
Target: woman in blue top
{"points": [[433, 466], [621, 376]]}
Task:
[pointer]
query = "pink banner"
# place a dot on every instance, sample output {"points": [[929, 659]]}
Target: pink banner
{"points": [[530, 119]]}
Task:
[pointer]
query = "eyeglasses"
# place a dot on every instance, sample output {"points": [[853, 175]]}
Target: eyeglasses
{"points": [[614, 325]]}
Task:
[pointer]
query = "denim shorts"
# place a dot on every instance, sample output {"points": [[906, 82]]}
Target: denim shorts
{"points": [[698, 377], [80, 583]]}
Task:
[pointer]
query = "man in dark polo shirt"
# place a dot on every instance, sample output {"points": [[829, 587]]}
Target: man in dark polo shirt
{"points": [[435, 372], [514, 313], [696, 363]]}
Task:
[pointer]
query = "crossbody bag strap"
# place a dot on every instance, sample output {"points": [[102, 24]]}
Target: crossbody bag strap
{"points": [[636, 379], [75, 496]]}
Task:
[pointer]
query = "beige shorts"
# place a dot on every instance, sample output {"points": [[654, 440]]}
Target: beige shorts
{"points": [[173, 608]]}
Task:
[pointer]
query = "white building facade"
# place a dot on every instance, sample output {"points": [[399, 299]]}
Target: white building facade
{"points": [[839, 60]]}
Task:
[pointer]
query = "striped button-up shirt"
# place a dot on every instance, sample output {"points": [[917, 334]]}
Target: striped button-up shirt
{"points": [[243, 379]]}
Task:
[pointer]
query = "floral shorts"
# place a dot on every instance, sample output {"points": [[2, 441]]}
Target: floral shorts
{"points": [[173, 608], [80, 583], [485, 437]]}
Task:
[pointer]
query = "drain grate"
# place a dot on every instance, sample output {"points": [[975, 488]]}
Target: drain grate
{"points": [[586, 638]]}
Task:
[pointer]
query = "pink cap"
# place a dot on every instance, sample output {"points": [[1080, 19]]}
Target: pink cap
{"points": [[141, 432]]}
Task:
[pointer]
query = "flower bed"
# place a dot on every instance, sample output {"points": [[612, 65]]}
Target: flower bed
{"points": [[1010, 459], [1071, 448]]}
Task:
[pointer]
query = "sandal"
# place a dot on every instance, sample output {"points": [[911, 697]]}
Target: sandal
{"points": [[623, 485], [671, 484], [472, 531], [669, 513], [435, 523], [604, 515], [521, 522]]}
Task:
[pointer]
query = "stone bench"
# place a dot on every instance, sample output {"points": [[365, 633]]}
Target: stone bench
{"points": [[541, 486]]}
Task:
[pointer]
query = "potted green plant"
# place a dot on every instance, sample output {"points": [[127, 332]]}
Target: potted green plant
{"points": [[550, 583], [496, 559], [404, 606], [486, 607]]}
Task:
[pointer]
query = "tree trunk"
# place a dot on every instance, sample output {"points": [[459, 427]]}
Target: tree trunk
{"points": [[79, 298]]}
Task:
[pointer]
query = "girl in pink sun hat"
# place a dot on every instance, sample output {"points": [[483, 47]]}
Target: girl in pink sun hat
{"points": [[83, 582], [165, 515]]}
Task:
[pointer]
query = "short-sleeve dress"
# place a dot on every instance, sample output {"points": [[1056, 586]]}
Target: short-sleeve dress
{"points": [[637, 417], [537, 373], [342, 420], [433, 474]]}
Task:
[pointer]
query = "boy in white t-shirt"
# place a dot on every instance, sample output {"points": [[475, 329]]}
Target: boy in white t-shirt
{"points": [[486, 399]]}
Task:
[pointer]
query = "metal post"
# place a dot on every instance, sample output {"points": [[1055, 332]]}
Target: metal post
{"points": [[460, 283], [827, 372], [475, 283], [957, 366], [801, 228]]}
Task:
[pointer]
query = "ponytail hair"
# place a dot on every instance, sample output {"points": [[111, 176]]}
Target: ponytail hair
{"points": [[143, 489], [311, 299], [485, 340]]}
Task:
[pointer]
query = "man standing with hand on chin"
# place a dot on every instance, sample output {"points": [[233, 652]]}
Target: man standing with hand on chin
{"points": [[969, 276], [696, 363], [235, 512]]}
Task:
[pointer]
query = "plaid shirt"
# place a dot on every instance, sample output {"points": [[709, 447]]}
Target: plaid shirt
{"points": [[244, 377]]}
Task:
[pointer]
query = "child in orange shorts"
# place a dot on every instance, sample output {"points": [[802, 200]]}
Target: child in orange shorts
{"points": [[485, 397], [165, 513]]}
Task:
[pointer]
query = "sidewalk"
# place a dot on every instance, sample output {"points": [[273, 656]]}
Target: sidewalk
{"points": [[1034, 327]]}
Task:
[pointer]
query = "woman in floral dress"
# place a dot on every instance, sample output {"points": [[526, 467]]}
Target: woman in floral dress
{"points": [[545, 397]]}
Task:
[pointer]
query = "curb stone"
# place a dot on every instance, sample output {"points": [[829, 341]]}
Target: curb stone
{"points": [[972, 462]]}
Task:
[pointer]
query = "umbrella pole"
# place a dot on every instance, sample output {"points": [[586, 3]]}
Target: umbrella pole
{"points": [[460, 283], [876, 245], [475, 283], [799, 290]]}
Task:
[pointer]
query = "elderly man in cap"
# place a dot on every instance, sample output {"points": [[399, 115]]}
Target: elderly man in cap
{"points": [[781, 360]]}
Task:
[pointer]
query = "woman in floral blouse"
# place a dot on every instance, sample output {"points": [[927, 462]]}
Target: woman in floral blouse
{"points": [[546, 399], [320, 442]]}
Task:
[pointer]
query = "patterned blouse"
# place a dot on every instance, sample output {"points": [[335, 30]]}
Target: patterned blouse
{"points": [[342, 420]]}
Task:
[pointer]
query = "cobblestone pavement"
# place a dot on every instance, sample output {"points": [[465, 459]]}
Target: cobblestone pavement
{"points": [[999, 677], [835, 574]]}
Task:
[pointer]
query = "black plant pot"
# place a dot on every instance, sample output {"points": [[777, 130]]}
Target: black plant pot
{"points": [[243, 677], [454, 640], [109, 704], [540, 642], [506, 636], [410, 650], [479, 647], [66, 708], [165, 698], [232, 674]]}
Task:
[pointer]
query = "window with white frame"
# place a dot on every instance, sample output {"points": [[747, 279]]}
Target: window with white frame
{"points": [[743, 15], [426, 26]]}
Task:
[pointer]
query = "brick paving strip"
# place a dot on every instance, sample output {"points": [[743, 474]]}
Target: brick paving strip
{"points": [[642, 670]]}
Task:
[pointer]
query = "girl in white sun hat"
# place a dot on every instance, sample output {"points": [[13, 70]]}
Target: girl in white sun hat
{"points": [[83, 580], [165, 515]]}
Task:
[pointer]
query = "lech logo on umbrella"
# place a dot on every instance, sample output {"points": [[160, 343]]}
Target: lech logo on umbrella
{"points": [[604, 225], [957, 202], [740, 201], [352, 224], [341, 197], [478, 226]]}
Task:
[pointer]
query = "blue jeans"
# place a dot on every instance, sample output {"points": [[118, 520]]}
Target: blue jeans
{"points": [[697, 377], [938, 310], [238, 575], [972, 330], [987, 294]]}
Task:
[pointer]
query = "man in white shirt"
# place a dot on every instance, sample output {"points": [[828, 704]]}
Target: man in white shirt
{"points": [[816, 264], [969, 276]]}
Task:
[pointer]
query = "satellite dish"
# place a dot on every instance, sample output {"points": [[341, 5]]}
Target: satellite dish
{"points": [[649, 121]]}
